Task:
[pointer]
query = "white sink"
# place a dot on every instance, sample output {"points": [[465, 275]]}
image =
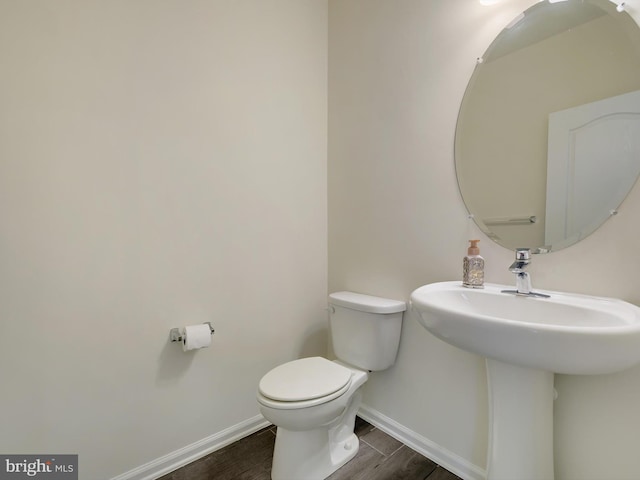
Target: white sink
{"points": [[565, 333], [526, 340]]}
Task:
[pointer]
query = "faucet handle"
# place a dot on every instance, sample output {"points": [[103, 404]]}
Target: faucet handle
{"points": [[523, 254]]}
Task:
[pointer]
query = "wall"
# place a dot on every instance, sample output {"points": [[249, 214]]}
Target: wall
{"points": [[397, 73], [162, 163]]}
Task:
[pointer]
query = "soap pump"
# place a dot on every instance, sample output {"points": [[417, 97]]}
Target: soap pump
{"points": [[473, 267]]}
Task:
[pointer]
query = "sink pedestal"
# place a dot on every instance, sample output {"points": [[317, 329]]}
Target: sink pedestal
{"points": [[525, 341], [520, 422]]}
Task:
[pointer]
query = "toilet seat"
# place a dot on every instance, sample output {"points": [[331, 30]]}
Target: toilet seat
{"points": [[304, 383]]}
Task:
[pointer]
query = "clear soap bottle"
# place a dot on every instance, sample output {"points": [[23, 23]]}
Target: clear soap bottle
{"points": [[473, 267]]}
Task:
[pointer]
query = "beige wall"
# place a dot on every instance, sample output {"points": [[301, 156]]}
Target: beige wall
{"points": [[162, 163], [397, 73]]}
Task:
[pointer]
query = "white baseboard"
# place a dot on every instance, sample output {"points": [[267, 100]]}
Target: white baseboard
{"points": [[440, 455], [174, 460], [183, 456]]}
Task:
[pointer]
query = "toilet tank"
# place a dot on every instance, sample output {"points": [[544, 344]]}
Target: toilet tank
{"points": [[365, 330]]}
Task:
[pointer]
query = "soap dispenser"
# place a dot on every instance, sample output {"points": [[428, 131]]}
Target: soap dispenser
{"points": [[473, 267]]}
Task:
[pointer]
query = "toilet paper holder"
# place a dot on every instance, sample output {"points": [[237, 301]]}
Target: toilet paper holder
{"points": [[176, 336]]}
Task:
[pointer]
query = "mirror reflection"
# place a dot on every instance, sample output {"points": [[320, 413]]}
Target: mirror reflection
{"points": [[548, 135]]}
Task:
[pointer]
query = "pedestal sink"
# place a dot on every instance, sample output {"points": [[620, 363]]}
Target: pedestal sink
{"points": [[527, 340]]}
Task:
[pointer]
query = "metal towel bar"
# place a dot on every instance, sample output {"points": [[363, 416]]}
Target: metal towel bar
{"points": [[511, 220]]}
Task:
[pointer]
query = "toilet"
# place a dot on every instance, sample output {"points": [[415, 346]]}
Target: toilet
{"points": [[313, 401]]}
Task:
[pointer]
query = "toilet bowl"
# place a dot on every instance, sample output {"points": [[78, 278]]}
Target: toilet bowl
{"points": [[315, 435], [313, 401]]}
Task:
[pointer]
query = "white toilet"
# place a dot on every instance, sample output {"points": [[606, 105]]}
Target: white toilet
{"points": [[313, 401]]}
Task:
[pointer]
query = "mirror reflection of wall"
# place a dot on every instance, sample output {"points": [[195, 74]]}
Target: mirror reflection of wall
{"points": [[554, 57]]}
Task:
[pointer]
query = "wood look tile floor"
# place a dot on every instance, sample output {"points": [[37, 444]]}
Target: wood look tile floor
{"points": [[381, 457]]}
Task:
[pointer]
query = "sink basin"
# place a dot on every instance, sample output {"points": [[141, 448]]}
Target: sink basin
{"points": [[525, 341], [565, 333]]}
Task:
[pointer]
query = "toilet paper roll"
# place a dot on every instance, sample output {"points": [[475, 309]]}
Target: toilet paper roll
{"points": [[196, 336]]}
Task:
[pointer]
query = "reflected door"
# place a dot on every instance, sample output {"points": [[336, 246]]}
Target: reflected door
{"points": [[593, 161]]}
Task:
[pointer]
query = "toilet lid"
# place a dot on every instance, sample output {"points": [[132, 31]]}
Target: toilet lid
{"points": [[304, 379]]}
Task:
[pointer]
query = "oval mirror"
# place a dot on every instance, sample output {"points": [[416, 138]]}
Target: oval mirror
{"points": [[548, 136]]}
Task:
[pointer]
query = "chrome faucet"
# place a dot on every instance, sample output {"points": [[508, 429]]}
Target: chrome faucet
{"points": [[523, 279]]}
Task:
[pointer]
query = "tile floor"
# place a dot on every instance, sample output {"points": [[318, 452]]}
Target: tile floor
{"points": [[381, 457]]}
